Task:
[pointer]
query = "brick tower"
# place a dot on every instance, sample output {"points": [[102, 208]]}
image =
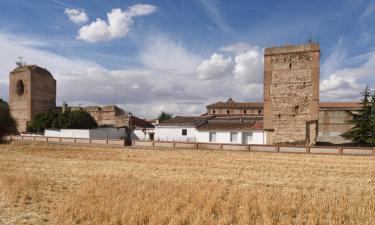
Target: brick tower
{"points": [[32, 90], [291, 93]]}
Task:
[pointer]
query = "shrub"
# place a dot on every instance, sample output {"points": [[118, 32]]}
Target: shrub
{"points": [[66, 120], [7, 123]]}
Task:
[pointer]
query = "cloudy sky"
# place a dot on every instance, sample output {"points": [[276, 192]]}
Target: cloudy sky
{"points": [[180, 55]]}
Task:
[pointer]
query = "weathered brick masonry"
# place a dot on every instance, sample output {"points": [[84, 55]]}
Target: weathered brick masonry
{"points": [[291, 93], [32, 90]]}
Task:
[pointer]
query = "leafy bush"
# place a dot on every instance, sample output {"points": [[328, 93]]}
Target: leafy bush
{"points": [[7, 123], [66, 120], [164, 116]]}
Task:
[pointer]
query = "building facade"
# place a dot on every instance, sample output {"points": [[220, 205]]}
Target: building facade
{"points": [[291, 93], [32, 90]]}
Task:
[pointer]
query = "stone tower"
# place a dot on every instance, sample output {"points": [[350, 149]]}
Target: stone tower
{"points": [[291, 93], [32, 90]]}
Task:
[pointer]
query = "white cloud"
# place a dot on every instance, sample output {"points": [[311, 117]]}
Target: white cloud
{"points": [[77, 16], [237, 48], [335, 60], [341, 83], [247, 65], [216, 67], [118, 25], [168, 84], [161, 53], [338, 87]]}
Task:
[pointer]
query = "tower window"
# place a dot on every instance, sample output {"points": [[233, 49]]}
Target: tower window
{"points": [[244, 111], [259, 111], [213, 111], [227, 111], [290, 65], [184, 132], [20, 88]]}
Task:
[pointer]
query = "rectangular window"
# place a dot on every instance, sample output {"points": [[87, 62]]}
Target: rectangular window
{"points": [[212, 136], [184, 132], [247, 137], [233, 137]]}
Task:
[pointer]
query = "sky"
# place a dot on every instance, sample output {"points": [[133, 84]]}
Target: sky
{"points": [[180, 55]]}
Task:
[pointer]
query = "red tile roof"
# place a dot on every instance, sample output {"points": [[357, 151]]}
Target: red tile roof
{"points": [[341, 105], [233, 123], [141, 123], [230, 104], [185, 121]]}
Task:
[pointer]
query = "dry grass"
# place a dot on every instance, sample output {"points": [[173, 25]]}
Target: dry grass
{"points": [[51, 184]]}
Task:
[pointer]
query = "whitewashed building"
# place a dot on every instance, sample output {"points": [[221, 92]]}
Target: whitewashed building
{"points": [[98, 133], [232, 130], [210, 129], [180, 128]]}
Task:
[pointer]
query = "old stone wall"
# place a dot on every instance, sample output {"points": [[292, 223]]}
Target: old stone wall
{"points": [[32, 90], [109, 116], [291, 93]]}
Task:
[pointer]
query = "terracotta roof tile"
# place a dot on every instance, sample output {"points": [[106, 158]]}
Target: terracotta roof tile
{"points": [[138, 122], [233, 123], [185, 121], [346, 105], [235, 105]]}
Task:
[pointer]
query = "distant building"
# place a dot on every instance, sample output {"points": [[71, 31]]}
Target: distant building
{"points": [[98, 133], [231, 107], [180, 128], [291, 93], [233, 130], [32, 90], [334, 119]]}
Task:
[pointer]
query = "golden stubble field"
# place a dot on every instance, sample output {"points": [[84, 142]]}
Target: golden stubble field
{"points": [[52, 184]]}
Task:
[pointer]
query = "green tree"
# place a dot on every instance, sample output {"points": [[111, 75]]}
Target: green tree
{"points": [[164, 116], [66, 120], [362, 132], [7, 123]]}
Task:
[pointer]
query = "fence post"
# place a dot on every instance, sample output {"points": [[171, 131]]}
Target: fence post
{"points": [[221, 146], [106, 141], [308, 149], [60, 140], [373, 151], [34, 138], [341, 151], [174, 145], [89, 140], [21, 138], [153, 144], [249, 148], [278, 148], [197, 147]]}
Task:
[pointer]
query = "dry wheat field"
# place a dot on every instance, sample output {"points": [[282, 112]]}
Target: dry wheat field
{"points": [[55, 184]]}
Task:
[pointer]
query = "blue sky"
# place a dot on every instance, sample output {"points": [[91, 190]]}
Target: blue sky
{"points": [[179, 55]]}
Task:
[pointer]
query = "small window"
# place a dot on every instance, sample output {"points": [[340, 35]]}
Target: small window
{"points": [[213, 111], [244, 111], [259, 111], [184, 132], [212, 136], [233, 137], [290, 65], [20, 88], [227, 111]]}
